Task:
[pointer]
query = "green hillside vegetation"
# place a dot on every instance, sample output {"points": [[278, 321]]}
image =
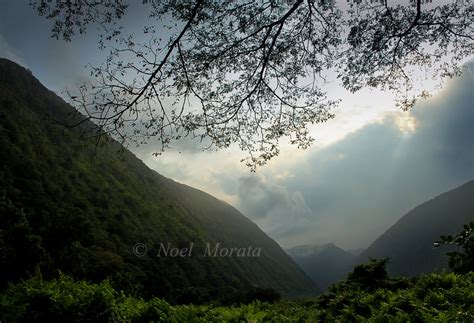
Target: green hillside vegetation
{"points": [[69, 206], [72, 211]]}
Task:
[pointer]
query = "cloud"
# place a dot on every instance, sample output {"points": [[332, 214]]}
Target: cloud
{"points": [[353, 190], [271, 205]]}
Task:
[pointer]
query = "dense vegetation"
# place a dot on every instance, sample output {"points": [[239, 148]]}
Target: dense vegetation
{"points": [[69, 206], [368, 294]]}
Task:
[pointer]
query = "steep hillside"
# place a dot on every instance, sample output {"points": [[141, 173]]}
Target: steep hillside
{"points": [[67, 205], [409, 242], [326, 265]]}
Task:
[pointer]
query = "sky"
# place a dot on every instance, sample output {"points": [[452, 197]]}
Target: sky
{"points": [[368, 167]]}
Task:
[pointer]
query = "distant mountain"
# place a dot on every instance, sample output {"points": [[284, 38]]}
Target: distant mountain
{"points": [[356, 251], [71, 206], [409, 242], [326, 264]]}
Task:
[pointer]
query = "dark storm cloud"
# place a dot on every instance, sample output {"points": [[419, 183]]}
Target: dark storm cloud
{"points": [[264, 198], [356, 188], [272, 205]]}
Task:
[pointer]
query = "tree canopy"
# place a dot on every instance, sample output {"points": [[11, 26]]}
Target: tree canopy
{"points": [[460, 261], [254, 72]]}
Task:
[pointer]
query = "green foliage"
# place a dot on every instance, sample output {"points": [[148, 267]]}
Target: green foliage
{"points": [[369, 276], [70, 206], [368, 294], [231, 296], [59, 300], [461, 261], [441, 297], [20, 249]]}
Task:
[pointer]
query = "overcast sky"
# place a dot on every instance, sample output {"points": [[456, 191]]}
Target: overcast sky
{"points": [[368, 167]]}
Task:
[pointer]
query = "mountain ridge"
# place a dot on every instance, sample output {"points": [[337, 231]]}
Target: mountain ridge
{"points": [[413, 253], [327, 264], [85, 207]]}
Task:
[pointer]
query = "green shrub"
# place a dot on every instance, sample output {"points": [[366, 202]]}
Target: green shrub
{"points": [[460, 261], [437, 297]]}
